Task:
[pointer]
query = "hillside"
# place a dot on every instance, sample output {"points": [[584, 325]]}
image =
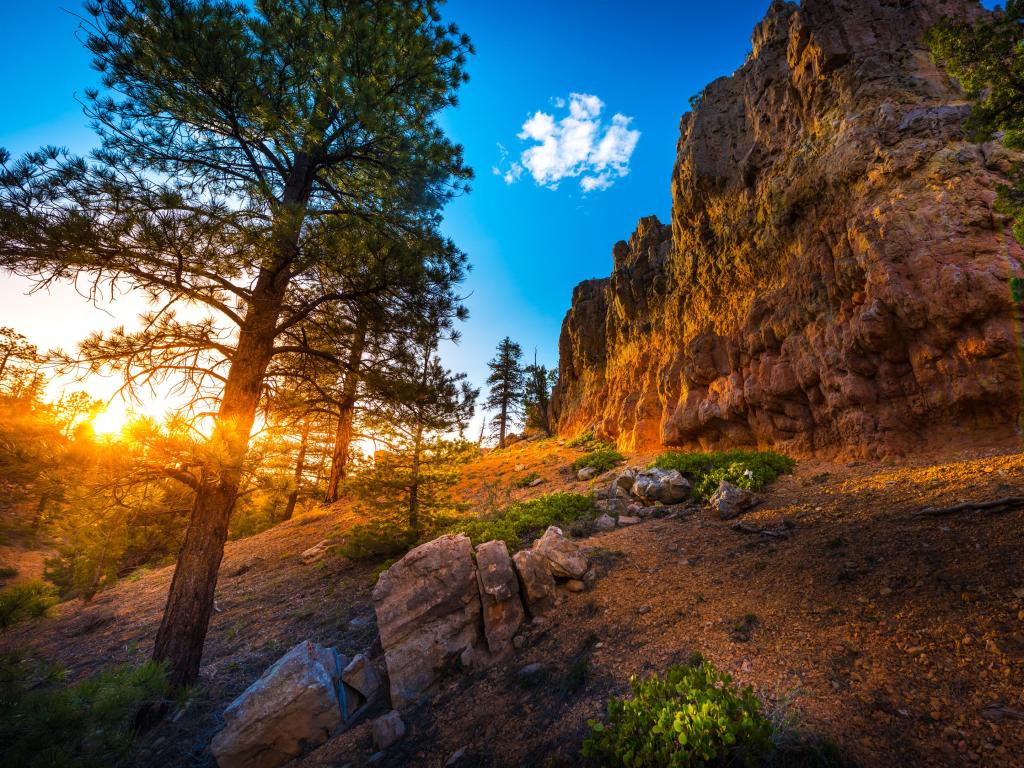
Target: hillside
{"points": [[833, 278], [895, 636]]}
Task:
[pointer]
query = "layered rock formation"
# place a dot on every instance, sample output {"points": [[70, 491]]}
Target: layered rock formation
{"points": [[833, 278]]}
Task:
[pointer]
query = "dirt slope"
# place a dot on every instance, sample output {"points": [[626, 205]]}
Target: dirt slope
{"points": [[888, 633]]}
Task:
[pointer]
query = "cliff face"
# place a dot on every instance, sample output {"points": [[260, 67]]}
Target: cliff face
{"points": [[834, 278]]}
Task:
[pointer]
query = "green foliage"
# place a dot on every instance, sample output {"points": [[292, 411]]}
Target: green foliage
{"points": [[537, 395], [582, 440], [747, 469], [506, 387], [28, 600], [693, 716], [526, 518], [602, 459], [90, 724], [8, 572], [377, 538], [987, 58], [525, 480]]}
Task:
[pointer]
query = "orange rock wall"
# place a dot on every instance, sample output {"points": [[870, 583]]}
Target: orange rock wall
{"points": [[834, 279]]}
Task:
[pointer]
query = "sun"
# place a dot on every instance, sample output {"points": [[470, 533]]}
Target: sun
{"points": [[110, 421]]}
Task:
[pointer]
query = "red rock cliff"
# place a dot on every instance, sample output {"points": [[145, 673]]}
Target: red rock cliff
{"points": [[834, 278]]}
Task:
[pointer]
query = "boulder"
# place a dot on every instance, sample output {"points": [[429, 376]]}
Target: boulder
{"points": [[665, 485], [565, 560], [428, 614], [587, 473], [315, 553], [387, 730], [361, 680], [499, 596], [538, 481], [612, 506], [604, 523], [625, 520], [730, 501], [292, 707], [537, 586], [624, 481]]}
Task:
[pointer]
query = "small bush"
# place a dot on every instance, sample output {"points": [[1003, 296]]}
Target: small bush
{"points": [[44, 722], [30, 600], [368, 541], [528, 517], [692, 716], [525, 480], [602, 459], [8, 572], [748, 469], [581, 440]]}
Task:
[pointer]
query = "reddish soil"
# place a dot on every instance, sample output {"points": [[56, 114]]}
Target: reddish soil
{"points": [[898, 637]]}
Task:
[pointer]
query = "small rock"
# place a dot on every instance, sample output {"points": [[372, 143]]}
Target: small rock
{"points": [[575, 585], [520, 467], [604, 523], [665, 485], [538, 481], [361, 676], [730, 501], [387, 730], [455, 757], [587, 473], [643, 609], [531, 670], [519, 642], [626, 520], [564, 557], [315, 553]]}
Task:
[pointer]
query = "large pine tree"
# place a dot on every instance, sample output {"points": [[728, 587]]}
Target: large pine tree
{"points": [[246, 153], [505, 387]]}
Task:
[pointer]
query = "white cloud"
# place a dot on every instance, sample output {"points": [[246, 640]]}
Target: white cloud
{"points": [[579, 145]]}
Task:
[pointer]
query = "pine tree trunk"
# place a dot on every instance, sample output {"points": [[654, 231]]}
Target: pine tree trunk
{"points": [[179, 641], [300, 466], [504, 420], [346, 413]]}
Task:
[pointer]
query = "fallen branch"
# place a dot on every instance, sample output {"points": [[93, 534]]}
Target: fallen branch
{"points": [[748, 528], [995, 505]]}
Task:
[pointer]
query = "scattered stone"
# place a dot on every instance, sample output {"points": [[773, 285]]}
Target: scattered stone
{"points": [[587, 473], [387, 730], [499, 595], [643, 609], [536, 583], [665, 485], [315, 553], [520, 467], [428, 614], [624, 481], [293, 706], [604, 523], [612, 506], [538, 481], [730, 501], [565, 560], [519, 642], [575, 585], [455, 757], [362, 678], [627, 520], [531, 670]]}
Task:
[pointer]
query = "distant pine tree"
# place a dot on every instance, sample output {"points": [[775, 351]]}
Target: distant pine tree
{"points": [[506, 384], [987, 58], [537, 395]]}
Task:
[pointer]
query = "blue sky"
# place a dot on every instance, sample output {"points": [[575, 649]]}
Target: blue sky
{"points": [[529, 243]]}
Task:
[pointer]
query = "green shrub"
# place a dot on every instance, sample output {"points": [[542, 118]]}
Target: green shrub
{"points": [[581, 440], [525, 480], [8, 572], [44, 722], [748, 469], [527, 517], [602, 459], [693, 716], [380, 538], [29, 600]]}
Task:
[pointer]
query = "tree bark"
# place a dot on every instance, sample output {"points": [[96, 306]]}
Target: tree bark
{"points": [[346, 413], [300, 467]]}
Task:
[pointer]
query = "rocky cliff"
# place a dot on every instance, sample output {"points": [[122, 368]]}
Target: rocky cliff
{"points": [[833, 279]]}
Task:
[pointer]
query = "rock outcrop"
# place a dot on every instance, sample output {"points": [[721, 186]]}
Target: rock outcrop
{"points": [[833, 279]]}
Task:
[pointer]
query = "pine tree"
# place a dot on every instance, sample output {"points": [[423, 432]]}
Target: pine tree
{"points": [[248, 154], [987, 58], [505, 385], [537, 395]]}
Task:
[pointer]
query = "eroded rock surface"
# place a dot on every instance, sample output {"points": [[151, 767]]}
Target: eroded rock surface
{"points": [[499, 595], [428, 613], [833, 279]]}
